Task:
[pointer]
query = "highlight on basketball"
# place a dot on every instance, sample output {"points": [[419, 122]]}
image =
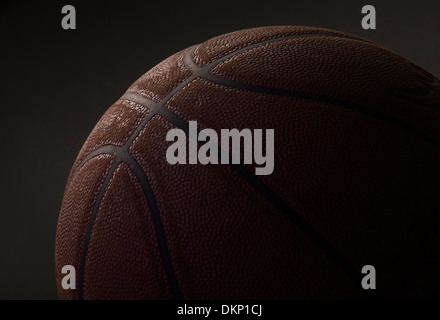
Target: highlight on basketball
{"points": [[216, 162]]}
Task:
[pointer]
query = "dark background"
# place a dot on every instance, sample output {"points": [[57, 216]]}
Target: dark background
{"points": [[56, 83]]}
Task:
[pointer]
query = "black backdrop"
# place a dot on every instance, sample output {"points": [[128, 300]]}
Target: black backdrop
{"points": [[55, 85]]}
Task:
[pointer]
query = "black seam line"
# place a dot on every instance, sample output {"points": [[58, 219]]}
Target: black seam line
{"points": [[152, 204], [157, 223], [270, 196], [121, 155], [197, 72], [204, 72], [152, 106], [111, 148], [105, 149], [155, 106], [170, 116], [90, 226], [406, 95]]}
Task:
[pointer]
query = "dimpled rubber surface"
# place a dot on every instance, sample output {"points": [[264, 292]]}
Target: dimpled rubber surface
{"points": [[114, 128], [355, 180], [75, 215], [131, 252]]}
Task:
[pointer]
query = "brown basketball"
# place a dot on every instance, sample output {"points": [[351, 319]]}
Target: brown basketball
{"points": [[355, 180]]}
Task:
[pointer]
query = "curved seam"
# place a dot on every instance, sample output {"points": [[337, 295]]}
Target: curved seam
{"points": [[88, 233], [122, 152], [273, 198], [157, 223], [105, 149], [203, 72]]}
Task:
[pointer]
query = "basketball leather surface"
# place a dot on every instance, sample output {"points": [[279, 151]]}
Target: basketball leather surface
{"points": [[355, 181]]}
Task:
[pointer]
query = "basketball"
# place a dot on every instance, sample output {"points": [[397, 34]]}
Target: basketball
{"points": [[353, 180]]}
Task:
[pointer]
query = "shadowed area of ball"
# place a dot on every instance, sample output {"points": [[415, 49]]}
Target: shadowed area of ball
{"points": [[355, 180]]}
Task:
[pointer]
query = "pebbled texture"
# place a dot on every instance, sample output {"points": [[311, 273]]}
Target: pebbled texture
{"points": [[75, 214], [343, 167], [124, 224], [218, 227], [356, 159], [114, 128], [161, 79], [348, 69], [220, 46]]}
